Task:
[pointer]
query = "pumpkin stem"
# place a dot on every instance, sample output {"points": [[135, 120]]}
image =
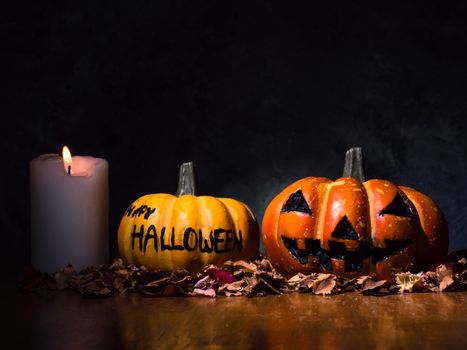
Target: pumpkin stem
{"points": [[354, 164], [188, 180]]}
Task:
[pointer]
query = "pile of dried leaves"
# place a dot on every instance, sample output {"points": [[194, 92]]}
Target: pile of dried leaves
{"points": [[238, 278]]}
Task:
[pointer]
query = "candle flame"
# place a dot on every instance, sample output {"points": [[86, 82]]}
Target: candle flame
{"points": [[66, 154]]}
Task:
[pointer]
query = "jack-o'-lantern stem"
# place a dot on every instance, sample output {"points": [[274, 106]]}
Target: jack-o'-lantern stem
{"points": [[188, 180], [354, 164]]}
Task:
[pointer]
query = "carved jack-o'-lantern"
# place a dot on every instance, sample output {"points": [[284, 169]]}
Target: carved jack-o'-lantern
{"points": [[350, 227], [186, 231]]}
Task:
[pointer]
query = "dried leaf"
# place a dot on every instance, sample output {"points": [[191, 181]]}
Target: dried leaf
{"points": [[220, 276], [204, 292], [270, 283], [306, 284], [178, 283], [463, 279], [255, 278], [296, 279], [445, 282], [165, 286], [368, 284], [362, 279], [143, 279], [94, 289], [431, 282], [345, 284], [117, 264], [253, 286], [439, 280], [445, 277], [82, 279], [236, 286], [265, 264], [447, 264], [232, 294], [119, 285], [406, 281], [302, 282], [249, 267], [62, 278], [324, 284], [204, 283]]}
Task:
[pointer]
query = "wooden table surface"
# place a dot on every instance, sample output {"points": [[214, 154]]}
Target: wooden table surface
{"points": [[65, 320]]}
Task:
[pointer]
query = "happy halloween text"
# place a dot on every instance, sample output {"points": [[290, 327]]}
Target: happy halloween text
{"points": [[220, 240]]}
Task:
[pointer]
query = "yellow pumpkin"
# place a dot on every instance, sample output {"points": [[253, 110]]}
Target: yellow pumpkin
{"points": [[183, 231]]}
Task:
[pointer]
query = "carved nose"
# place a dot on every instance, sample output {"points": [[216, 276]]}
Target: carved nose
{"points": [[344, 230]]}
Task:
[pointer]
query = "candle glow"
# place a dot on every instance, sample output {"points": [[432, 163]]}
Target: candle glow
{"points": [[69, 211], [66, 154]]}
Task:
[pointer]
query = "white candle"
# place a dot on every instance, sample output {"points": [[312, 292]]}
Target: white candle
{"points": [[69, 212]]}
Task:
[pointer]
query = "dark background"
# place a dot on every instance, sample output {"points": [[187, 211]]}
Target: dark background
{"points": [[257, 93]]}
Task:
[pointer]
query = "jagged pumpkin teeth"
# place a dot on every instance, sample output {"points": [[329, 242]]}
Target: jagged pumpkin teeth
{"points": [[358, 227], [301, 243]]}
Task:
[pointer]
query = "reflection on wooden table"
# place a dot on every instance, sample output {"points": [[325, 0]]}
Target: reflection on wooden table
{"points": [[296, 321]]}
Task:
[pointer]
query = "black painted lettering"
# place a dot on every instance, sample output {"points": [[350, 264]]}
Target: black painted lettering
{"points": [[218, 240], [138, 235], [228, 239], [142, 210], [205, 248], [149, 212], [163, 245], [129, 210], [149, 236], [237, 241], [186, 239], [139, 211], [172, 239]]}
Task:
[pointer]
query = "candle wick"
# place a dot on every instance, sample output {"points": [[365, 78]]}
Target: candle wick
{"points": [[69, 169]]}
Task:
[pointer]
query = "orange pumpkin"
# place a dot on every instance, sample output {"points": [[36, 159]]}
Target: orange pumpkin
{"points": [[351, 227], [166, 232]]}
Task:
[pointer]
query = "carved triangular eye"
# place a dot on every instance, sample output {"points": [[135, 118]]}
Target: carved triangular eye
{"points": [[344, 230], [297, 202], [398, 207]]}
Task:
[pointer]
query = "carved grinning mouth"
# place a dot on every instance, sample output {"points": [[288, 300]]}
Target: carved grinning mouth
{"points": [[344, 235], [353, 259], [344, 231], [312, 248]]}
